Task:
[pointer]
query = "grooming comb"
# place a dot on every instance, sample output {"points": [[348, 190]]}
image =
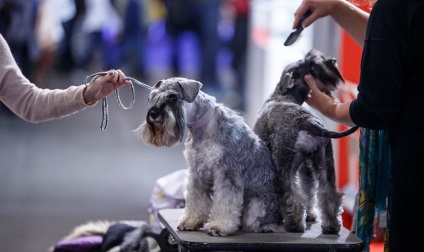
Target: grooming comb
{"points": [[299, 28]]}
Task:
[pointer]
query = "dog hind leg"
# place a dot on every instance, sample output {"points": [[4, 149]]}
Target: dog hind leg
{"points": [[309, 187], [261, 215], [253, 212], [293, 200], [329, 199], [226, 207]]}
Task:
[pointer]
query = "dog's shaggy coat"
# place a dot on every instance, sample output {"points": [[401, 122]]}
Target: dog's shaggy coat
{"points": [[300, 146], [232, 182]]}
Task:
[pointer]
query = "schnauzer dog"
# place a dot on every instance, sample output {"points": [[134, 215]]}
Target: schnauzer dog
{"points": [[301, 147], [232, 181]]}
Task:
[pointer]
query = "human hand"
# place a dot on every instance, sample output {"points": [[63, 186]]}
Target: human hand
{"points": [[104, 85], [349, 16], [318, 99], [318, 8], [327, 104]]}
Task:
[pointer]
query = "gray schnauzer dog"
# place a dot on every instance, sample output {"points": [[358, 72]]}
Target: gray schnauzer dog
{"points": [[232, 181], [301, 147]]}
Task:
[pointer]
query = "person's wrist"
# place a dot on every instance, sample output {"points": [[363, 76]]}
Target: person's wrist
{"points": [[87, 99]]}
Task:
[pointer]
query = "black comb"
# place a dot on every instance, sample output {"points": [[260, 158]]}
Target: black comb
{"points": [[299, 28]]}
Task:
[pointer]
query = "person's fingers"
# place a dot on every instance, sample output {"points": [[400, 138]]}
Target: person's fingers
{"points": [[122, 77], [111, 76], [115, 75], [105, 78], [120, 72], [311, 83], [119, 76], [309, 20], [304, 7], [298, 15], [116, 79]]}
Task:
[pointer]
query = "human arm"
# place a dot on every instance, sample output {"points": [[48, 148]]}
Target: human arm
{"points": [[348, 16], [35, 104], [328, 105]]}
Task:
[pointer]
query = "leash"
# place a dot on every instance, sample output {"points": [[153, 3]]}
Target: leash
{"points": [[105, 112]]}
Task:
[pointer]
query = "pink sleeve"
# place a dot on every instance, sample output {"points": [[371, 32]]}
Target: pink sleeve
{"points": [[29, 102]]}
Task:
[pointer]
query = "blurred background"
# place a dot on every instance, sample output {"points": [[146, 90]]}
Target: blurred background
{"points": [[63, 173]]}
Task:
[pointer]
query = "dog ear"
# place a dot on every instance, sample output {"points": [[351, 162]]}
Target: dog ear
{"points": [[290, 80], [157, 85], [334, 67], [190, 89], [287, 81]]}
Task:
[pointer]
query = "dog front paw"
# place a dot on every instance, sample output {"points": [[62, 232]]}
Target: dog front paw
{"points": [[187, 226], [222, 227], [216, 231]]}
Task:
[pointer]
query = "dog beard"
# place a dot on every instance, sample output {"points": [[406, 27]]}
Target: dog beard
{"points": [[161, 134]]}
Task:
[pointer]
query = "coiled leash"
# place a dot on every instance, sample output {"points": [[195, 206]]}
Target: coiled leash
{"points": [[105, 112]]}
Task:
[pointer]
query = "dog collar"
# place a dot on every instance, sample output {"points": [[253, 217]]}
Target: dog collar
{"points": [[203, 120]]}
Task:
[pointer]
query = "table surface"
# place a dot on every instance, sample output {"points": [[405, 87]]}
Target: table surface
{"points": [[310, 240]]}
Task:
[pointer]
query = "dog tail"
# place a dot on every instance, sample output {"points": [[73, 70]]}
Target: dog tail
{"points": [[318, 131]]}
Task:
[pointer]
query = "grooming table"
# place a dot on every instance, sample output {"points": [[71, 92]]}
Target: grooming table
{"points": [[310, 240]]}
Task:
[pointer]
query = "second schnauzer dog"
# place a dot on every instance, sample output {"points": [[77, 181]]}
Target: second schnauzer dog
{"points": [[232, 181], [301, 147]]}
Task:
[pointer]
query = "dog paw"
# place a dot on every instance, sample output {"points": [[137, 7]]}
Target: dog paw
{"points": [[294, 227], [183, 228], [187, 227], [297, 229], [330, 229], [272, 228], [311, 218], [215, 231]]}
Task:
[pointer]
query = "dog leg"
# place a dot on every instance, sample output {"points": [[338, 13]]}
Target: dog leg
{"points": [[293, 201], [227, 205], [308, 184], [330, 200], [261, 215], [253, 210], [197, 207], [313, 150], [330, 204]]}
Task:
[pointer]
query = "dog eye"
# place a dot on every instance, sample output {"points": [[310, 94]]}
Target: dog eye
{"points": [[172, 98]]}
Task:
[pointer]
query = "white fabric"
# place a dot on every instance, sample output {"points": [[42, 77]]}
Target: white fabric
{"points": [[168, 192]]}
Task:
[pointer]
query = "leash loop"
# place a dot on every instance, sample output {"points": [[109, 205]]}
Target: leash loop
{"points": [[105, 110]]}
